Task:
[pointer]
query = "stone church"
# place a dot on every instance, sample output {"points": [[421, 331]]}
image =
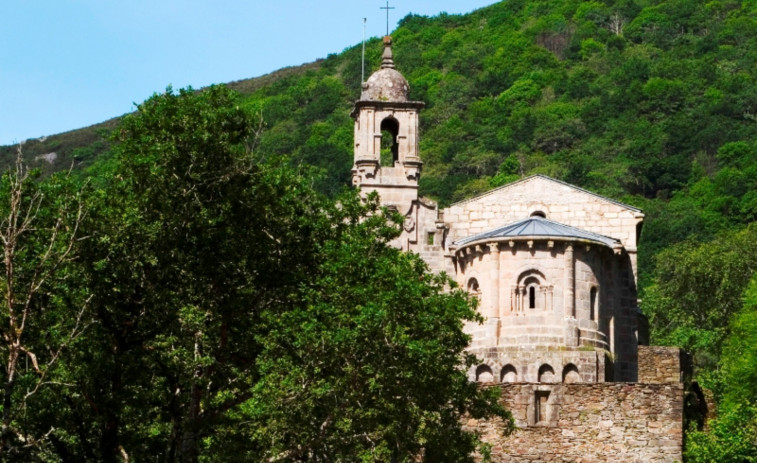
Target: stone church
{"points": [[554, 269]]}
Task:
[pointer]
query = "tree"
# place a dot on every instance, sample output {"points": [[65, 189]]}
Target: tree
{"points": [[698, 291], [193, 238], [40, 307], [366, 365], [207, 262], [732, 436]]}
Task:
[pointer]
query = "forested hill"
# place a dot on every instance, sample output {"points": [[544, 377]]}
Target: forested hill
{"points": [[624, 98], [653, 103], [633, 99], [650, 102], [620, 97]]}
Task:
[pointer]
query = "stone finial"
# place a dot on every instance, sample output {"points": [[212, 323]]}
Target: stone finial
{"points": [[387, 59]]}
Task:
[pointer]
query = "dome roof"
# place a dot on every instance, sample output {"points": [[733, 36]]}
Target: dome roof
{"points": [[386, 84], [539, 228]]}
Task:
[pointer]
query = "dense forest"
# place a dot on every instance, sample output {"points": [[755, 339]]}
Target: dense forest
{"points": [[653, 103]]}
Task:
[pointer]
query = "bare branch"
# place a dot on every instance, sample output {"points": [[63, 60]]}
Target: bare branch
{"points": [[24, 205], [32, 357], [76, 331]]}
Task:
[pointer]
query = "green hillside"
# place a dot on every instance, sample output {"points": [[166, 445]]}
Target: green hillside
{"points": [[650, 102], [613, 97], [624, 98]]}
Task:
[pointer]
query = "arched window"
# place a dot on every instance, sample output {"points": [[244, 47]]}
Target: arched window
{"points": [[390, 129], [593, 314], [570, 374], [531, 292], [473, 287], [539, 214], [509, 374], [532, 285], [532, 297], [546, 374], [484, 374]]}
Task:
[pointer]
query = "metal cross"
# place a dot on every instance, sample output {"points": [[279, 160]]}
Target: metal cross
{"points": [[387, 8]]}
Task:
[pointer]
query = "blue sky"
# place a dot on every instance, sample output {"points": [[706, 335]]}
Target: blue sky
{"points": [[66, 64]]}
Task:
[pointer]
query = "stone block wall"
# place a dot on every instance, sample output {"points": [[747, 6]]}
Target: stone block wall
{"points": [[424, 235], [659, 364], [565, 314], [589, 423], [559, 201], [513, 365]]}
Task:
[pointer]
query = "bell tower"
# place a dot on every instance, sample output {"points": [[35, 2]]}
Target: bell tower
{"points": [[386, 137]]}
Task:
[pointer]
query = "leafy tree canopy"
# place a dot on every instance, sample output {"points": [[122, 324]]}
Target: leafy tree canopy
{"points": [[235, 314]]}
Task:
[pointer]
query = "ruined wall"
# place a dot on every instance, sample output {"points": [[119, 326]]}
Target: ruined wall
{"points": [[658, 364], [589, 423]]}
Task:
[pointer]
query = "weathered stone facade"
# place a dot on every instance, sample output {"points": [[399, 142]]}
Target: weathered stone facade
{"points": [[659, 364], [589, 423], [554, 269]]}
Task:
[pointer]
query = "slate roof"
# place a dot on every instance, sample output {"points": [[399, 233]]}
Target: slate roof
{"points": [[538, 228]]}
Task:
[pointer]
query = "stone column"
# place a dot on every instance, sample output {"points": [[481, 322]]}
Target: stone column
{"points": [[570, 282], [550, 298], [543, 290], [494, 280]]}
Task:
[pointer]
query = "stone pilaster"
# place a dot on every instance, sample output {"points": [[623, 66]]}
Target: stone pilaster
{"points": [[494, 281], [570, 282]]}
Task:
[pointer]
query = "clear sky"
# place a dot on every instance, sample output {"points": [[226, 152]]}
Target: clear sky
{"points": [[66, 64]]}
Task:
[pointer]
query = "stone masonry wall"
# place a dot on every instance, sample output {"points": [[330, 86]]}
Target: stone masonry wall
{"points": [[513, 365], [560, 202], [589, 423], [659, 364]]}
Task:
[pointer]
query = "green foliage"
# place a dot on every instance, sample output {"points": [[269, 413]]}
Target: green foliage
{"points": [[732, 438], [508, 171], [740, 352], [367, 368], [698, 291], [176, 229], [732, 435], [42, 307], [238, 315]]}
